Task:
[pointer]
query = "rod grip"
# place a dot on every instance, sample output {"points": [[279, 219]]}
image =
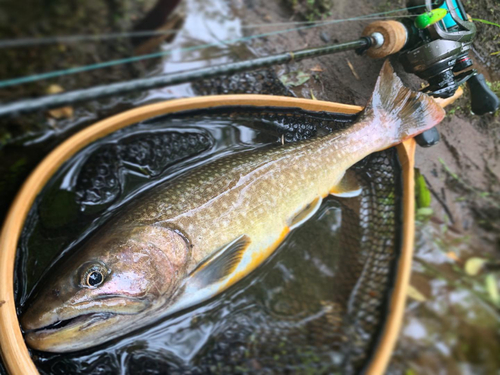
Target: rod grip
{"points": [[395, 36]]}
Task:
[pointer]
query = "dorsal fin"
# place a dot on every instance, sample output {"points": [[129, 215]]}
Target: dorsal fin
{"points": [[221, 264], [306, 213]]}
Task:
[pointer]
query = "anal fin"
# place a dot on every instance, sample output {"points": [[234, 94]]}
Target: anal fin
{"points": [[348, 187], [221, 264], [306, 213]]}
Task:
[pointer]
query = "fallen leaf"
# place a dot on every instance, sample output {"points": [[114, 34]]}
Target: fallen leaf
{"points": [[312, 95], [295, 78], [492, 288], [54, 89], [284, 80], [302, 78], [425, 211], [317, 68], [352, 70], [416, 294], [59, 113], [422, 192], [453, 256], [474, 265]]}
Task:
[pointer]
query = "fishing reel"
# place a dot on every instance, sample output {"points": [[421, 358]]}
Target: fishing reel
{"points": [[437, 50], [439, 54]]}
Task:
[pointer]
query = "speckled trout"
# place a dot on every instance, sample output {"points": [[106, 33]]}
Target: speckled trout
{"points": [[193, 237]]}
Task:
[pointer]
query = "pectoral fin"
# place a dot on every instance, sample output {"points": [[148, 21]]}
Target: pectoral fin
{"points": [[306, 213], [205, 280], [221, 264], [348, 187]]}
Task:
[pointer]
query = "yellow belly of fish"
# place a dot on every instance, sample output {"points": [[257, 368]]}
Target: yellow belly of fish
{"points": [[263, 245]]}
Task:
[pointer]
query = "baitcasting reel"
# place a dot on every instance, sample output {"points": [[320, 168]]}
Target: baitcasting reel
{"points": [[441, 56], [438, 52]]}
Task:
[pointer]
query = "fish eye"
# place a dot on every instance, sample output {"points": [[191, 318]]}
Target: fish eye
{"points": [[94, 278], [93, 275]]}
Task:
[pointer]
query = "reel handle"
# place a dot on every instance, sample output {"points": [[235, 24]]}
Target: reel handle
{"points": [[483, 99]]}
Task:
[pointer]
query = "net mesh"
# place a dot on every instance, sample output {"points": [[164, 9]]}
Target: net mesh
{"points": [[99, 182], [263, 81]]}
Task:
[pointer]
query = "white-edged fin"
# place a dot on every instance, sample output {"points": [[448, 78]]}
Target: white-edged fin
{"points": [[204, 281], [406, 113], [306, 213], [348, 187], [221, 264]]}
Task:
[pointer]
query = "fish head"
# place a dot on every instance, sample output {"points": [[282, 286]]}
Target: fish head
{"points": [[102, 291]]}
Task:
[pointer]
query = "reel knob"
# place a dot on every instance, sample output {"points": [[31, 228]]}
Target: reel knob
{"points": [[428, 138], [483, 99]]}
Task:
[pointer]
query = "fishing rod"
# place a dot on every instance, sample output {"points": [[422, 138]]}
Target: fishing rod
{"points": [[78, 96], [434, 46]]}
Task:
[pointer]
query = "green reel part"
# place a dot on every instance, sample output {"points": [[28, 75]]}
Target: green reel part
{"points": [[430, 18]]}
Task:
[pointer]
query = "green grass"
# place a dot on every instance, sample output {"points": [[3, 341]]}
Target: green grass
{"points": [[486, 22]]}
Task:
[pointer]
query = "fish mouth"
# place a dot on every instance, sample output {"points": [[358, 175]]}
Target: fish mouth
{"points": [[80, 321], [70, 331], [70, 335]]}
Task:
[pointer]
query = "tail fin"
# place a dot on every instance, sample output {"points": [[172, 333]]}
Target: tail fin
{"points": [[409, 113]]}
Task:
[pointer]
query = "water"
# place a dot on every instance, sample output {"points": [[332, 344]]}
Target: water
{"points": [[455, 327], [286, 316], [25, 140]]}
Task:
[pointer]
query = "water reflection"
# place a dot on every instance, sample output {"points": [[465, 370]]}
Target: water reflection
{"points": [[456, 329], [206, 22]]}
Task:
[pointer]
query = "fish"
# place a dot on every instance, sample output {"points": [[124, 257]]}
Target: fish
{"points": [[191, 238]]}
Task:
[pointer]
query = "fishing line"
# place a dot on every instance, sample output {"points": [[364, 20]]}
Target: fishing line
{"points": [[86, 68], [69, 39]]}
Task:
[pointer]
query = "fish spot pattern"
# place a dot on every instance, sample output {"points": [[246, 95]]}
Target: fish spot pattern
{"points": [[256, 191]]}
